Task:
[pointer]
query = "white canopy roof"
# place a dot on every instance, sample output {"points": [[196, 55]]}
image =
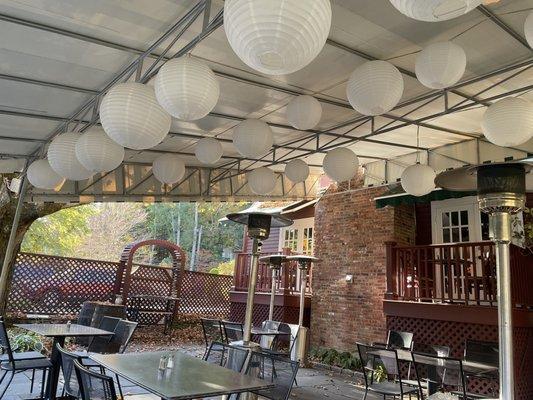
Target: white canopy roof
{"points": [[57, 55]]}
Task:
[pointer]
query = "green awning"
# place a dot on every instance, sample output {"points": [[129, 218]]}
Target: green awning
{"points": [[397, 196]]}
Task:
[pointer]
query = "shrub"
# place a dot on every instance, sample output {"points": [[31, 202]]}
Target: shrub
{"points": [[26, 341], [345, 360]]}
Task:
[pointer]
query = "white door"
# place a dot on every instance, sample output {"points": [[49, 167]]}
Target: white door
{"points": [[456, 220]]}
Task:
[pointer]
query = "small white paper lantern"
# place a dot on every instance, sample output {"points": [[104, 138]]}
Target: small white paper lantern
{"points": [[63, 160], [42, 176], [132, 117], [440, 65], [375, 87], [208, 150], [508, 122], [97, 152], [297, 170], [340, 164], [304, 112], [434, 10], [187, 88], [253, 138], [261, 180], [418, 179], [168, 168], [528, 29], [277, 37]]}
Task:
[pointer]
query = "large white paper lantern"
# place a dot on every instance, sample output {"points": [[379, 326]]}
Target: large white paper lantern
{"points": [[297, 170], [186, 88], [253, 138], [42, 176], [261, 180], [63, 160], [97, 152], [418, 179], [304, 112], [375, 87], [508, 122], [435, 10], [208, 150], [340, 164], [132, 117], [528, 29], [168, 168], [440, 65], [277, 37]]}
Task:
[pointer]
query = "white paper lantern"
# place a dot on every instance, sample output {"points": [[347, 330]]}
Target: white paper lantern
{"points": [[208, 150], [418, 179], [97, 152], [132, 117], [63, 160], [42, 176], [340, 164], [304, 112], [168, 168], [440, 65], [375, 87], [261, 180], [253, 138], [508, 122], [528, 29], [186, 88], [297, 170], [277, 37], [434, 10]]}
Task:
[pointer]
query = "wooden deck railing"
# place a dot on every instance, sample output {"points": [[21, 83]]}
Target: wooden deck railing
{"points": [[288, 284], [463, 273]]}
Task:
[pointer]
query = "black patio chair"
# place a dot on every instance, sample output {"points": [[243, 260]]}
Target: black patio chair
{"points": [[430, 349], [100, 344], [212, 330], [282, 345], [227, 356], [381, 372], [70, 386], [482, 352], [233, 331], [14, 365], [93, 385]]}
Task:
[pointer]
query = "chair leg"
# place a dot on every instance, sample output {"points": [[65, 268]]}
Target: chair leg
{"points": [[8, 383], [366, 394], [32, 380], [119, 387], [43, 384], [3, 376]]}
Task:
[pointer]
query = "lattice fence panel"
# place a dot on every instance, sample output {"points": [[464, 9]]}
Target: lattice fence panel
{"points": [[205, 294], [57, 285]]}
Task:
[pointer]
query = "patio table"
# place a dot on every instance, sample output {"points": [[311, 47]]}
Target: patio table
{"points": [[190, 378], [59, 332]]}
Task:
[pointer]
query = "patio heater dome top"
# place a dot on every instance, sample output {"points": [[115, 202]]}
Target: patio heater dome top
{"points": [[274, 258], [248, 218], [302, 258]]}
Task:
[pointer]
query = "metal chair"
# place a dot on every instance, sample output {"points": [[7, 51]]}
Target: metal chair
{"points": [[381, 372], [71, 386], [212, 330], [233, 331], [227, 356], [93, 385], [14, 366], [100, 344], [267, 341], [482, 352], [400, 340], [283, 344], [434, 350]]}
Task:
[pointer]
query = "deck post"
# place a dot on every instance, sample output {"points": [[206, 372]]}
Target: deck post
{"points": [[391, 271]]}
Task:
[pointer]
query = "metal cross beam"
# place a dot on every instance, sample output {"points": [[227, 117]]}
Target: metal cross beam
{"points": [[498, 21]]}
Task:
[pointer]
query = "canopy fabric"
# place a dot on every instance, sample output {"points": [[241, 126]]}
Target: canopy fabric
{"points": [[393, 198]]}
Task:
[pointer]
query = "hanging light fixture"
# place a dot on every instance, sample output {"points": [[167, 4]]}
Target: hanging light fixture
{"points": [[186, 88], [208, 151], [168, 169], [277, 37], [132, 117], [42, 176], [253, 137], [375, 87], [261, 180], [97, 152], [434, 10], [440, 65], [508, 122], [297, 170], [418, 179], [304, 112], [63, 160], [528, 29], [340, 164]]}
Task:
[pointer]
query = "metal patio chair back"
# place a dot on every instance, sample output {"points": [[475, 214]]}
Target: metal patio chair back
{"points": [[4, 342], [283, 344], [123, 334], [71, 385], [482, 352], [400, 340], [227, 356], [233, 331], [439, 375], [101, 344], [212, 330], [93, 385]]}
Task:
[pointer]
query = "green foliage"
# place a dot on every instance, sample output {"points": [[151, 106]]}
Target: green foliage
{"points": [[224, 268], [380, 374], [345, 359], [26, 341]]}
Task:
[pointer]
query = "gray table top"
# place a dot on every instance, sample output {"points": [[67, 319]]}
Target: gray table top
{"points": [[268, 332], [189, 379], [58, 330]]}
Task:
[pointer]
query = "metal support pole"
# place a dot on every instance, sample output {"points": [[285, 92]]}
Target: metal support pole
{"points": [[275, 272], [303, 284], [11, 246], [252, 280]]}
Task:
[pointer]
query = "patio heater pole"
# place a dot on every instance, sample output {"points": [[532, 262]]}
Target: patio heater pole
{"points": [[275, 262], [252, 281]]}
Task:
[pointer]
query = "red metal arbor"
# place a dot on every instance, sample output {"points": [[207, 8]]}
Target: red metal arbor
{"points": [[150, 292]]}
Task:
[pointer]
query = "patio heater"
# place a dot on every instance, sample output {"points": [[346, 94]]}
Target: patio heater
{"points": [[501, 191], [258, 224], [275, 261], [304, 265]]}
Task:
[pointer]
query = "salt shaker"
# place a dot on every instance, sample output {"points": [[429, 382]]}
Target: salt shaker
{"points": [[68, 325], [162, 363], [170, 361]]}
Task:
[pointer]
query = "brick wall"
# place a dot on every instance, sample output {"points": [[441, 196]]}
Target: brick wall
{"points": [[350, 236]]}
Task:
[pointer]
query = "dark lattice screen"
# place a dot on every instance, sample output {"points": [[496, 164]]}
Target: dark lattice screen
{"points": [[205, 294]]}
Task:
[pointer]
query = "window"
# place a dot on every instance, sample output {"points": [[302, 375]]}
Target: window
{"points": [[290, 240], [308, 241], [298, 237], [455, 227]]}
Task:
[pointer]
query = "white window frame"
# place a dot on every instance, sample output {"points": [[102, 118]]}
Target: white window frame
{"points": [[469, 203], [300, 225]]}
